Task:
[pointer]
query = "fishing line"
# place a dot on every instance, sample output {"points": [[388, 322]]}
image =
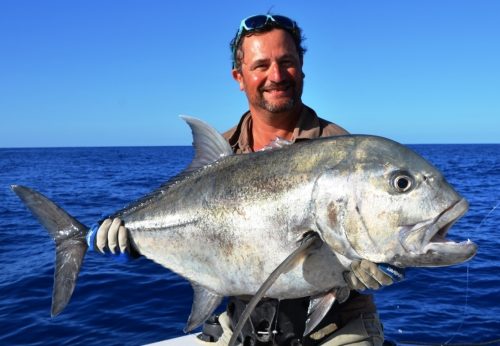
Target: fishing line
{"points": [[464, 309], [447, 343], [467, 280]]}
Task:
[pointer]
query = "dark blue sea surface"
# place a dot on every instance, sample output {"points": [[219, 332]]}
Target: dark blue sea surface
{"points": [[140, 302]]}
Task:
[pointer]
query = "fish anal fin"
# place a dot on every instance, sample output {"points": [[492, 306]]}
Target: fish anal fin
{"points": [[204, 304], [320, 305]]}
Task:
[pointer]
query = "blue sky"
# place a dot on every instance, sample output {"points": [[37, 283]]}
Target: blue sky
{"points": [[118, 72]]}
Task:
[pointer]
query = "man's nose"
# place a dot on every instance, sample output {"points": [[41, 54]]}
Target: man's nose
{"points": [[276, 73]]}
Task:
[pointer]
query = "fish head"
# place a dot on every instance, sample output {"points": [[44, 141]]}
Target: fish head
{"points": [[387, 204]]}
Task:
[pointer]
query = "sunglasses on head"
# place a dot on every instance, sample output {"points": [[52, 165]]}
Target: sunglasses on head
{"points": [[260, 21]]}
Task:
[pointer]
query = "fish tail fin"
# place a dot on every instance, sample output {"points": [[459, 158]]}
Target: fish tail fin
{"points": [[69, 236]]}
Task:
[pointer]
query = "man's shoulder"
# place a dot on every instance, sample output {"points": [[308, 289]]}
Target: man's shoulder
{"points": [[237, 136], [314, 126], [230, 133], [331, 129]]}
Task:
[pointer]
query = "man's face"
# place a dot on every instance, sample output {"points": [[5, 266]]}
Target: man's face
{"points": [[271, 72]]}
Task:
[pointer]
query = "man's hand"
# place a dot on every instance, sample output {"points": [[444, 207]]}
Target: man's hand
{"points": [[365, 274], [112, 235]]}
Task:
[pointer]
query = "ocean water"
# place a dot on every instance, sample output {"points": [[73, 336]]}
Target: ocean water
{"points": [[140, 302]]}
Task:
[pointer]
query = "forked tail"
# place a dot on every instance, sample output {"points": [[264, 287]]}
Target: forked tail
{"points": [[69, 236]]}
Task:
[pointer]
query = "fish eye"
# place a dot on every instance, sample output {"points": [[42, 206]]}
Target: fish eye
{"points": [[402, 181]]}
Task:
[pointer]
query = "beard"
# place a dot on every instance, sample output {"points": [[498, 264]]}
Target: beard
{"points": [[279, 106]]}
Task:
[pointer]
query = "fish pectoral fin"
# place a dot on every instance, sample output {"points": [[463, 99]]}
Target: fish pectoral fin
{"points": [[204, 304], [309, 240]]}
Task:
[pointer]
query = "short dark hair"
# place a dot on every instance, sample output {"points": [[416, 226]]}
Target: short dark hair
{"points": [[236, 42]]}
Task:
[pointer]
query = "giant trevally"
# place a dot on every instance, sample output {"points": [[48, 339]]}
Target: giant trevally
{"points": [[228, 221]]}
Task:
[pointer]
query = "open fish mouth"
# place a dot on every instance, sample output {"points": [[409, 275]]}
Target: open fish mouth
{"points": [[427, 244]]}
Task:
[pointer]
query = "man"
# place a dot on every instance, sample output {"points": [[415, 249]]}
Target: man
{"points": [[267, 64]]}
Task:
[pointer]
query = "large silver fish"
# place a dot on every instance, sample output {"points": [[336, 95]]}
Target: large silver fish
{"points": [[229, 220]]}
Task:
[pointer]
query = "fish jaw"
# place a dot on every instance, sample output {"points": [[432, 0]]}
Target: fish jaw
{"points": [[426, 243]]}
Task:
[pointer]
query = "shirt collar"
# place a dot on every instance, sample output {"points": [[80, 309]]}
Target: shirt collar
{"points": [[307, 127]]}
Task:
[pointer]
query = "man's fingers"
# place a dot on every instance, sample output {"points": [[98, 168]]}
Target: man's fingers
{"points": [[375, 273], [113, 235], [365, 274], [367, 279], [353, 282], [123, 239], [102, 235]]}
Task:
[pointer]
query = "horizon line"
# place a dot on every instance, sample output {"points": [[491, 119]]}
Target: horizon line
{"points": [[186, 145]]}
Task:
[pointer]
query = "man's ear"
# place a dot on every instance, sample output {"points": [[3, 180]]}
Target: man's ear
{"points": [[238, 78]]}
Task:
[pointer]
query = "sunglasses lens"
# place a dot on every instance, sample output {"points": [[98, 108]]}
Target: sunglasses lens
{"points": [[255, 22], [284, 22]]}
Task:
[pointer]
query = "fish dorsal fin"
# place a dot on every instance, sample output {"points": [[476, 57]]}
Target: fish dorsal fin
{"points": [[209, 145], [204, 304]]}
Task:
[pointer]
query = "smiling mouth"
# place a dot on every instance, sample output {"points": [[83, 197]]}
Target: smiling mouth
{"points": [[428, 241], [277, 91], [277, 88]]}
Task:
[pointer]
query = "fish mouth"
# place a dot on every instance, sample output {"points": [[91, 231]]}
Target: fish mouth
{"points": [[426, 242]]}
